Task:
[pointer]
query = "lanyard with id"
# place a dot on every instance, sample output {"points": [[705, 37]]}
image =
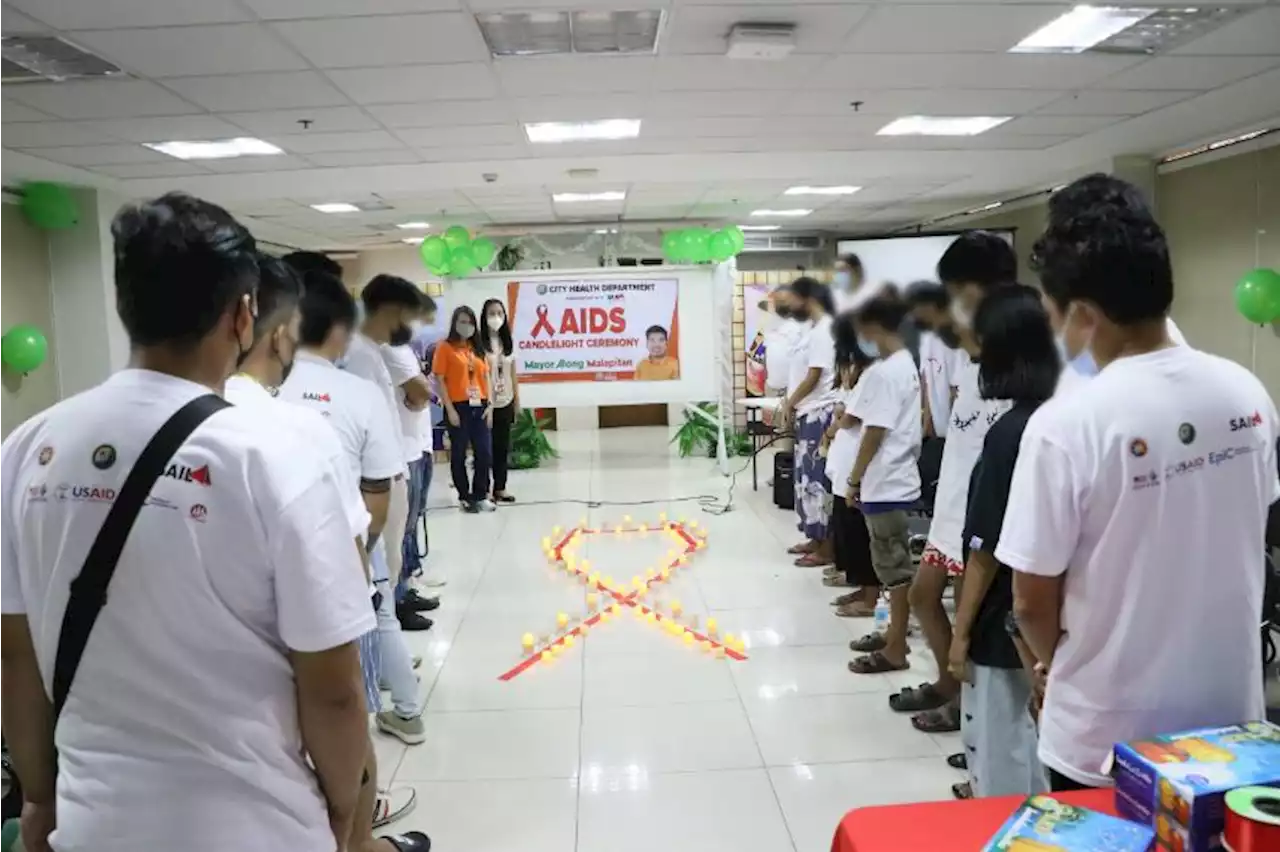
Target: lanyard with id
{"points": [[473, 387]]}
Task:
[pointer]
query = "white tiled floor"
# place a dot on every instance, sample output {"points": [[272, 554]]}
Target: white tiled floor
{"points": [[632, 741]]}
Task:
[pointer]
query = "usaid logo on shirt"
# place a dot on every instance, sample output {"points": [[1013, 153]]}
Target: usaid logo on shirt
{"points": [[84, 493], [1249, 421], [312, 396]]}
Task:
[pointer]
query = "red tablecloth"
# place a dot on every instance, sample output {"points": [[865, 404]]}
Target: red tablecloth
{"points": [[942, 826]]}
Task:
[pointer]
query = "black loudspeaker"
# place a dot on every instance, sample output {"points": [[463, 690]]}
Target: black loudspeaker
{"points": [[784, 482]]}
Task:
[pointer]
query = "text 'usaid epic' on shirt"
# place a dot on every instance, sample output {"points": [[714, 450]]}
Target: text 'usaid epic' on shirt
{"points": [[183, 717], [1147, 489]]}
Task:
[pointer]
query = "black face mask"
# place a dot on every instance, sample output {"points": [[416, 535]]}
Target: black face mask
{"points": [[402, 335], [947, 334], [801, 314], [923, 325], [783, 312]]}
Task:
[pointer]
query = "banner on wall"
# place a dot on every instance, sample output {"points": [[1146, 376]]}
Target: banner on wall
{"points": [[595, 329], [755, 311]]}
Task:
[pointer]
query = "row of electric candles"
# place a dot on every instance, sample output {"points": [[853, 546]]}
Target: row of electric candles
{"points": [[650, 614]]}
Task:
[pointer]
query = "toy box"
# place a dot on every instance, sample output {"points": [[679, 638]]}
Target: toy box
{"points": [[1176, 783], [1043, 824]]}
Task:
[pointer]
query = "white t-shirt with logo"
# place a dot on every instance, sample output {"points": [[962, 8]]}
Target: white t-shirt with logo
{"points": [[939, 372], [1147, 490], [402, 366], [364, 359], [819, 353], [185, 694], [971, 419], [779, 342], [843, 452], [888, 396]]}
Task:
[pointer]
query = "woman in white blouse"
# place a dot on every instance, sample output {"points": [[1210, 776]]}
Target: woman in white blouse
{"points": [[504, 391]]}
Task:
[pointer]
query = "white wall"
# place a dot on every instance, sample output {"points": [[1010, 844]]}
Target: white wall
{"points": [[27, 300]]}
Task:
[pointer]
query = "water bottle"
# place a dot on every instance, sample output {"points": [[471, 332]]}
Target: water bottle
{"points": [[882, 614]]}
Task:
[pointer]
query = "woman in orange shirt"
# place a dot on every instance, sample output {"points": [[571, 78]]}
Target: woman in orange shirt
{"points": [[463, 376]]}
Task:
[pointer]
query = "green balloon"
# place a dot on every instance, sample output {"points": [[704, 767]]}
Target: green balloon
{"points": [[698, 245], [721, 246], [483, 251], [1258, 295], [23, 348], [461, 268], [434, 251], [739, 238], [671, 245], [49, 206], [456, 236]]}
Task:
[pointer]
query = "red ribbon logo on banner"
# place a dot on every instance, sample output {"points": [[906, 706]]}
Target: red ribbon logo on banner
{"points": [[543, 322]]}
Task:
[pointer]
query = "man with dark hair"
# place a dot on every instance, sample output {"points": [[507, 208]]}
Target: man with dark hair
{"points": [[659, 366], [1138, 501], [971, 266], [885, 481], [313, 261], [940, 356], [263, 370], [224, 653]]}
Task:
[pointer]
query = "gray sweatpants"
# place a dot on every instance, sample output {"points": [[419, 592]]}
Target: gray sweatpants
{"points": [[998, 734]]}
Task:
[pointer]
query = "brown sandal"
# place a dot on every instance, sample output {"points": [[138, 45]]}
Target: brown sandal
{"points": [[813, 560], [876, 663], [855, 609], [802, 547], [837, 581], [847, 598]]}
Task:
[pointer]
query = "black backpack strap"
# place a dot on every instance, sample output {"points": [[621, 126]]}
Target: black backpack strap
{"points": [[89, 588]]}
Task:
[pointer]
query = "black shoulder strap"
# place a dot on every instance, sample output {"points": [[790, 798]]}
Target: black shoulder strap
{"points": [[89, 588]]}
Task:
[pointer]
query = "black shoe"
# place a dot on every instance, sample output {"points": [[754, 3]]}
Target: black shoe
{"points": [[415, 601], [471, 508], [410, 841], [413, 621]]}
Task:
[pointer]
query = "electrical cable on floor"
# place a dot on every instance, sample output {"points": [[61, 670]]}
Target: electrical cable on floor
{"points": [[709, 503]]}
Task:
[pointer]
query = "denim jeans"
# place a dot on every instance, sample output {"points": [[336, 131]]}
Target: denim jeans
{"points": [[419, 483], [395, 662], [474, 432]]}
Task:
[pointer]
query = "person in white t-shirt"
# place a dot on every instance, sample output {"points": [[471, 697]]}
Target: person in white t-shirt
{"points": [[392, 310], [972, 266], [941, 357], [1138, 502], [262, 371], [885, 481], [225, 650], [809, 406], [372, 447]]}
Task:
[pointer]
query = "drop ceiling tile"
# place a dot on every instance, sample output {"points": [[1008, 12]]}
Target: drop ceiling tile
{"points": [[339, 159], [1190, 72], [660, 128], [579, 107], [114, 14], [968, 28], [896, 102], [246, 92], [15, 23], [555, 75], [715, 103], [285, 9], [322, 119], [440, 113], [1253, 34], [407, 83], [100, 155], [277, 163], [702, 73], [1117, 102], [174, 168], [1055, 125], [743, 193], [166, 128], [309, 141], [193, 51], [453, 137], [14, 112], [37, 134], [973, 70], [387, 39], [850, 124], [120, 98], [820, 28], [473, 154]]}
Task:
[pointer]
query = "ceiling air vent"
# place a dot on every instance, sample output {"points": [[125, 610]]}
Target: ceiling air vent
{"points": [[1166, 28], [783, 242], [552, 32], [29, 58]]}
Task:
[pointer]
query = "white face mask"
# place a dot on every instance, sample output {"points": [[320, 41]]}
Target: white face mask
{"points": [[843, 280], [465, 330], [415, 326], [869, 347], [961, 316], [494, 322]]}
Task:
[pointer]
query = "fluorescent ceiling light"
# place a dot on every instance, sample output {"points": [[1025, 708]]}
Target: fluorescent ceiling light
{"points": [[583, 131], [606, 230], [1080, 29], [571, 197], [759, 227], [217, 149], [822, 190], [792, 213], [929, 125], [413, 241], [414, 226], [336, 207]]}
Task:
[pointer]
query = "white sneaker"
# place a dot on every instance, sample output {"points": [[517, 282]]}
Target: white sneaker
{"points": [[393, 804], [487, 505]]}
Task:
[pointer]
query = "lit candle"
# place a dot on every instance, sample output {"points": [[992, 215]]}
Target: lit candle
{"points": [[711, 626], [562, 619]]}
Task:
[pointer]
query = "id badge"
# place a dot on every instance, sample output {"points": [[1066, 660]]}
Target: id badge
{"points": [[473, 397]]}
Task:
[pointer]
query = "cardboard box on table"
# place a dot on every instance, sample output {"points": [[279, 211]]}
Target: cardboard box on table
{"points": [[1044, 824]]}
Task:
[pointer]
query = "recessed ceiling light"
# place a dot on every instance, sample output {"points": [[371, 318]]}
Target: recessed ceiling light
{"points": [[583, 131], [929, 125], [759, 227], [217, 149], [413, 241], [571, 197], [792, 213], [414, 226], [1080, 29], [547, 32], [336, 207], [606, 230], [822, 190]]}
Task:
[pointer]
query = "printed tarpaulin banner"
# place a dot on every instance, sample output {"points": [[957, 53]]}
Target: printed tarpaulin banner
{"points": [[595, 329]]}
